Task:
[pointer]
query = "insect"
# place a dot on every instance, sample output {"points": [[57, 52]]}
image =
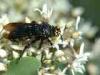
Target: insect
{"points": [[30, 31]]}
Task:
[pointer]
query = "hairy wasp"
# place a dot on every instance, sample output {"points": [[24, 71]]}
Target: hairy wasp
{"points": [[30, 31]]}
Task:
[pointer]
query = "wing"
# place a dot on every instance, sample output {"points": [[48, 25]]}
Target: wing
{"points": [[13, 26]]}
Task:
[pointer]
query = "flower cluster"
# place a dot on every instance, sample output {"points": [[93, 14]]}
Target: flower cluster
{"points": [[66, 56]]}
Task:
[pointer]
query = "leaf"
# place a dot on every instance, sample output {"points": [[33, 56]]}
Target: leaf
{"points": [[26, 66], [60, 65]]}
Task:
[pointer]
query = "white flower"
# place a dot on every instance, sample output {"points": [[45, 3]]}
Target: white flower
{"points": [[65, 43], [62, 59], [17, 47], [56, 46], [61, 24], [59, 72], [3, 53], [3, 67], [86, 27], [80, 61], [27, 20], [59, 53], [77, 22], [81, 49], [71, 42], [15, 54], [77, 11], [60, 56], [77, 34], [4, 19], [45, 12], [48, 54]]}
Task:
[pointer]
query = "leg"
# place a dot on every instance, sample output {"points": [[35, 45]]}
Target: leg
{"points": [[49, 41], [40, 45], [27, 46], [62, 38], [42, 57]]}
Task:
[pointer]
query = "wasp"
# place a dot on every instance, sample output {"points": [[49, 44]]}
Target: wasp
{"points": [[30, 31]]}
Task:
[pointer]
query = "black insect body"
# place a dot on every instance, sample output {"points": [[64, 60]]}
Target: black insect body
{"points": [[32, 31]]}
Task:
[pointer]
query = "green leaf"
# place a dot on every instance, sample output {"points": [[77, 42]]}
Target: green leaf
{"points": [[26, 66]]}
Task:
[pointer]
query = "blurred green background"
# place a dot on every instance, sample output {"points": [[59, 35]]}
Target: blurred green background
{"points": [[92, 11]]}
